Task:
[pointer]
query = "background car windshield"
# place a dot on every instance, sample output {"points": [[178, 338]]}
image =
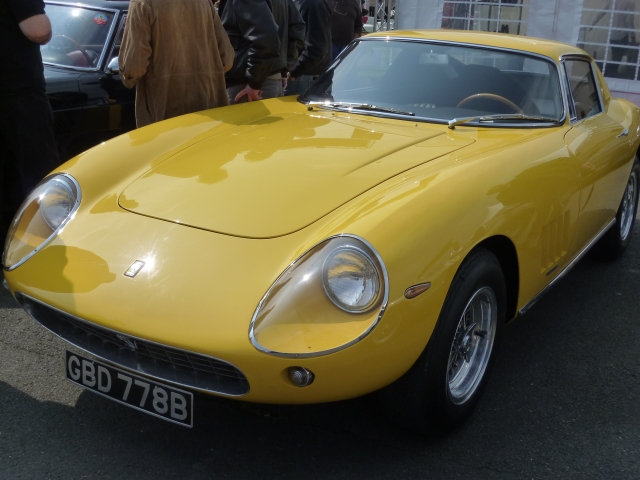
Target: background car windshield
{"points": [[441, 82], [79, 36]]}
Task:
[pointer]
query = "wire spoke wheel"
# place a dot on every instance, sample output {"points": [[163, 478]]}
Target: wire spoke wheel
{"points": [[628, 207], [472, 345]]}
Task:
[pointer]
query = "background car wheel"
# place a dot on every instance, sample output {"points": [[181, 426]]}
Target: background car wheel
{"points": [[444, 385], [616, 240]]}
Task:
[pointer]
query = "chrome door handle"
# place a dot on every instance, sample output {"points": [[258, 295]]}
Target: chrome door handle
{"points": [[624, 133]]}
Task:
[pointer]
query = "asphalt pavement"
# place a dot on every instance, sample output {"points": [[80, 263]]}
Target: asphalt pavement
{"points": [[563, 402]]}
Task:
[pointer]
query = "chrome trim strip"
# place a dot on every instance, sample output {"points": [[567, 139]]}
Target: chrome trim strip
{"points": [[567, 97], [624, 133], [566, 269], [383, 308], [554, 62], [62, 225], [20, 295], [121, 24], [108, 39]]}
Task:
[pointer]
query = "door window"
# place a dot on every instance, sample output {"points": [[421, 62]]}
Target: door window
{"points": [[584, 90]]}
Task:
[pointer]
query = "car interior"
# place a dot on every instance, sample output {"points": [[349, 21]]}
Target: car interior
{"points": [[79, 36]]}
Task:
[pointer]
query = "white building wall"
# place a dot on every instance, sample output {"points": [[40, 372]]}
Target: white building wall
{"points": [[423, 14], [552, 19]]}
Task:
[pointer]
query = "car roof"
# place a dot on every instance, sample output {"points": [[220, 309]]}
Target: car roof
{"points": [[110, 4], [540, 46]]}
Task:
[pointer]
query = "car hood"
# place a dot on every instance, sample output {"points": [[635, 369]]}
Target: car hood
{"points": [[278, 174]]}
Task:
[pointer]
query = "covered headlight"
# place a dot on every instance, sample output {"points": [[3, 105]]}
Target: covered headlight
{"points": [[40, 217], [328, 299], [351, 279]]}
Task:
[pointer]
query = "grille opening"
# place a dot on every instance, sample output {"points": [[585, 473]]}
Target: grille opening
{"points": [[162, 362]]}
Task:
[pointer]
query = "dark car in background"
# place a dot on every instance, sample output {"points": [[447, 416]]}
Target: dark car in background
{"points": [[89, 101]]}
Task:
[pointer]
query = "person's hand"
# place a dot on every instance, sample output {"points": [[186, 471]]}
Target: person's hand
{"points": [[290, 78], [252, 94], [284, 83]]}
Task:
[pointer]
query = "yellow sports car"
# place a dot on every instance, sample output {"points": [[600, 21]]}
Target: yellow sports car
{"points": [[378, 231]]}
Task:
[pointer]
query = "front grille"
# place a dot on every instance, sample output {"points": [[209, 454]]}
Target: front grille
{"points": [[159, 361]]}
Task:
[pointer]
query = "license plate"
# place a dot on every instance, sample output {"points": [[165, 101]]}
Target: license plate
{"points": [[143, 394]]}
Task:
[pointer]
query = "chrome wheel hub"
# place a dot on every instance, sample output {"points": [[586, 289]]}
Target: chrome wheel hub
{"points": [[628, 207], [472, 345]]}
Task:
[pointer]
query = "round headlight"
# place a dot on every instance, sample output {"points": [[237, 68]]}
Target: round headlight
{"points": [[40, 217], [351, 279], [57, 201]]}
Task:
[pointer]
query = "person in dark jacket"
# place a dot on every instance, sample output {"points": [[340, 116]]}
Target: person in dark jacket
{"points": [[253, 33], [346, 24], [28, 149], [291, 29], [316, 56]]}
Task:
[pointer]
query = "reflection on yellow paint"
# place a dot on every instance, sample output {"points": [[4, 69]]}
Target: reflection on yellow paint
{"points": [[68, 270]]}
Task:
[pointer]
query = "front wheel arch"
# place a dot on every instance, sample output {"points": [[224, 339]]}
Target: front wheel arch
{"points": [[505, 251]]}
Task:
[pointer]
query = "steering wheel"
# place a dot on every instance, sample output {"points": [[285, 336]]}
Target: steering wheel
{"points": [[490, 96], [57, 43]]}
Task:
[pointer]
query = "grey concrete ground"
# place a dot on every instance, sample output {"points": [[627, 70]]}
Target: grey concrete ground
{"points": [[564, 402]]}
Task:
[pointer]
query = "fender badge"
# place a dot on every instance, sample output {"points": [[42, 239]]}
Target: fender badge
{"points": [[134, 269]]}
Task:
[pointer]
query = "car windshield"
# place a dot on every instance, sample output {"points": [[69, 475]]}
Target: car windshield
{"points": [[79, 36], [436, 82]]}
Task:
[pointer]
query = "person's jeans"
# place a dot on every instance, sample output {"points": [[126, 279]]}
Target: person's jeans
{"points": [[300, 85], [271, 88]]}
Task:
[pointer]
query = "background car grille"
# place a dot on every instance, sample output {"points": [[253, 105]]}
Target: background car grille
{"points": [[159, 361]]}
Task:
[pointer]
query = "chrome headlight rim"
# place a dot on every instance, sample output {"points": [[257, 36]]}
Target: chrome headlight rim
{"points": [[383, 306], [57, 230]]}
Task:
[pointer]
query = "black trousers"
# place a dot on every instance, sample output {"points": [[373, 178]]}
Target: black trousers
{"points": [[28, 149]]}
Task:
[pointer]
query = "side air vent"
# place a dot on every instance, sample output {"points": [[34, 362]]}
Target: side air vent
{"points": [[555, 242]]}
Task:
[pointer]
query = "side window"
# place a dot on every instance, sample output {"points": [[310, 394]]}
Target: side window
{"points": [[583, 88]]}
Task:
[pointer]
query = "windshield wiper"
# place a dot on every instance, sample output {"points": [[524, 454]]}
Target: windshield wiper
{"points": [[490, 118], [364, 106]]}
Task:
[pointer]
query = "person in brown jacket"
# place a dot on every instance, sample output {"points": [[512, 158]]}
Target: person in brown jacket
{"points": [[177, 53]]}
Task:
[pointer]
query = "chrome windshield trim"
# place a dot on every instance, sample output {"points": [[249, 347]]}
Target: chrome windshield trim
{"points": [[550, 60], [72, 214], [116, 17], [566, 269], [440, 121], [383, 307]]}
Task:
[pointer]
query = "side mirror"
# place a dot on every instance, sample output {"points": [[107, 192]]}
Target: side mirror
{"points": [[114, 67]]}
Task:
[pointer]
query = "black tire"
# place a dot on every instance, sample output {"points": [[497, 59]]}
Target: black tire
{"points": [[617, 239], [422, 399]]}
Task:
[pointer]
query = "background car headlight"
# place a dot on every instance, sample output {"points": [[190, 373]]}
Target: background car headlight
{"points": [[331, 297], [40, 217]]}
